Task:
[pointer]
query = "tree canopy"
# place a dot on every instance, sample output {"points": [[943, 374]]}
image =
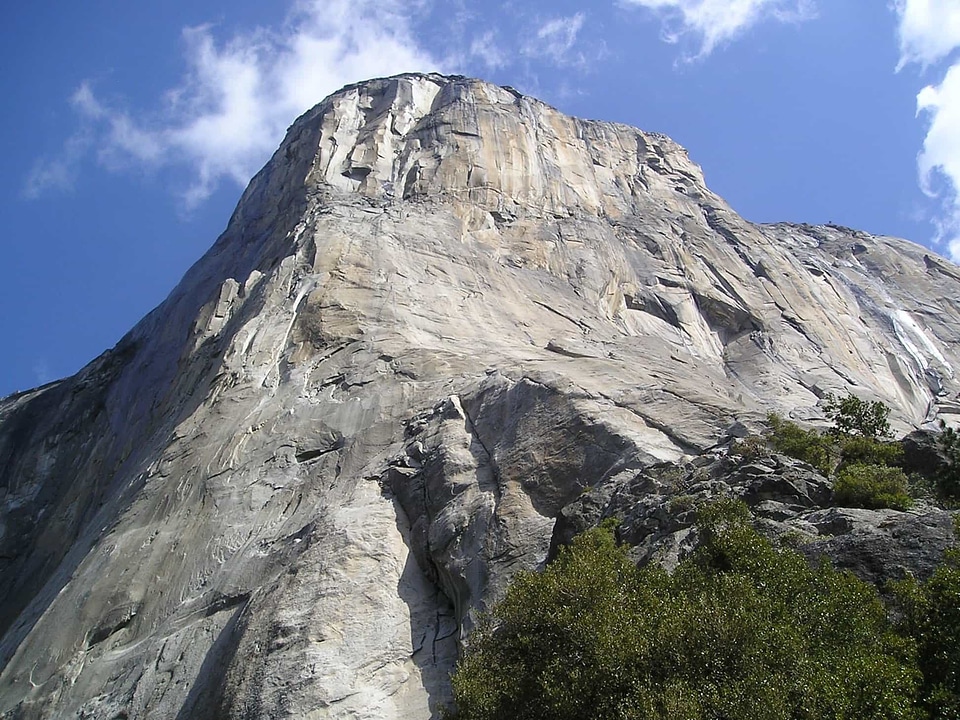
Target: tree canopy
{"points": [[741, 629]]}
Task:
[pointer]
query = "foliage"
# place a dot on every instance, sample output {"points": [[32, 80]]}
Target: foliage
{"points": [[809, 446], [853, 416], [682, 503], [855, 442], [948, 479], [872, 486], [793, 538], [859, 450], [553, 645], [751, 447], [740, 630], [929, 613]]}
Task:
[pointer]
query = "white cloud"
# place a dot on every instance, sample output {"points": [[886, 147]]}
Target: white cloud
{"points": [[929, 30], [555, 39], [716, 22], [237, 97], [939, 161]]}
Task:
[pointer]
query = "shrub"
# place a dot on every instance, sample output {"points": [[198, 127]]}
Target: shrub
{"points": [[853, 416], [860, 450], [739, 630], [856, 438], [872, 486], [929, 613], [752, 447], [793, 538], [682, 503], [948, 479], [807, 445]]}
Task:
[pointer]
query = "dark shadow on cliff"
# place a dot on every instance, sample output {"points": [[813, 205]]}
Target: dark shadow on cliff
{"points": [[206, 694], [99, 423], [434, 631], [49, 438], [536, 435]]}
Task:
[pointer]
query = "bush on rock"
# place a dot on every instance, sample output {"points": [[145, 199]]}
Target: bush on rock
{"points": [[739, 630]]}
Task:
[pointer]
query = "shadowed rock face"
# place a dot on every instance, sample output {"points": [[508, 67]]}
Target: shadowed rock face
{"points": [[439, 315]]}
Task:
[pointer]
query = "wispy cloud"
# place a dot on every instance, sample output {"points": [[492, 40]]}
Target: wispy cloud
{"points": [[555, 40], [58, 172], [929, 33], [715, 22], [41, 372], [487, 50], [238, 96]]}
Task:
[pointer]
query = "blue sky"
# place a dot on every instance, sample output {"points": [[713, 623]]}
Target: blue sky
{"points": [[130, 128]]}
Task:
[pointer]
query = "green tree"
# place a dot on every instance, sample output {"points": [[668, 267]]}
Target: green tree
{"points": [[929, 612], [948, 478], [853, 416], [740, 630]]}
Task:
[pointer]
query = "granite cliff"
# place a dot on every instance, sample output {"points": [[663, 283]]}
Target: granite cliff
{"points": [[442, 316]]}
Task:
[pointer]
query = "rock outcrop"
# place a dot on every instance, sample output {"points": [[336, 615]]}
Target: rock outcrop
{"points": [[790, 502], [444, 322]]}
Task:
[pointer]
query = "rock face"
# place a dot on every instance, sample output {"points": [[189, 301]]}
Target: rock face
{"points": [[445, 324]]}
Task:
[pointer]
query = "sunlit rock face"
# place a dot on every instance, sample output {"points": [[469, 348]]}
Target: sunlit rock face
{"points": [[441, 314]]}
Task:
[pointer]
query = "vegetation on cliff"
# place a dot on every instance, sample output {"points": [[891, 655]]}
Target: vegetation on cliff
{"points": [[857, 450], [741, 629]]}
